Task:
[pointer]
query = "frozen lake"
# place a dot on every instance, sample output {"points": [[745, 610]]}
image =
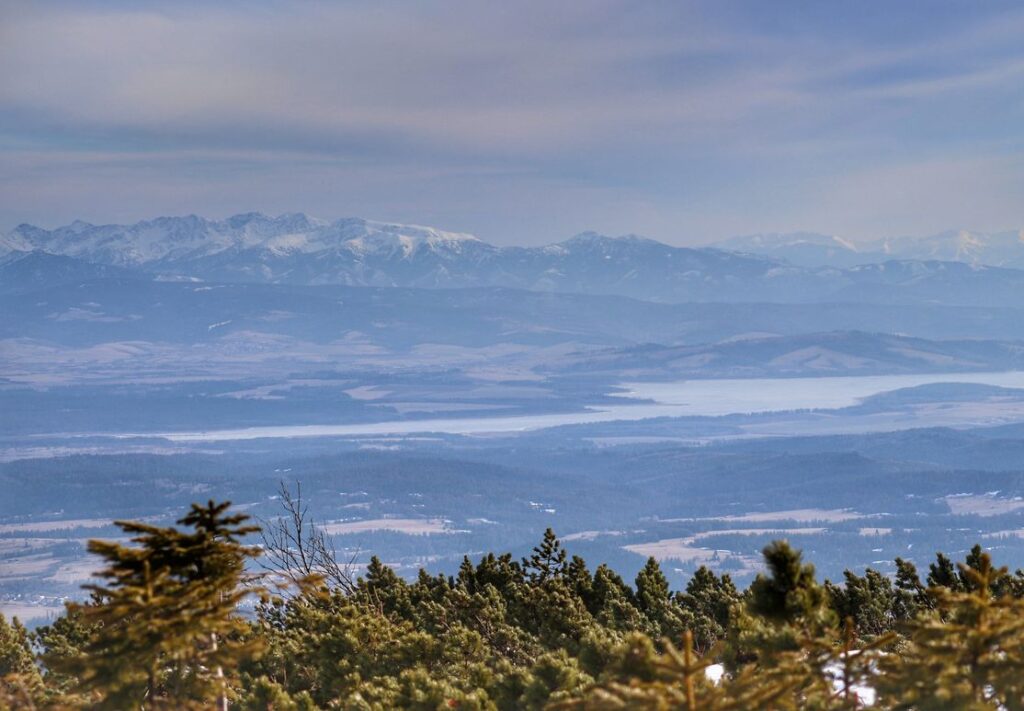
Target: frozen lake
{"points": [[689, 398]]}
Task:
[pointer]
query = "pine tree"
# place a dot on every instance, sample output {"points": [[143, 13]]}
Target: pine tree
{"points": [[910, 596], [578, 577], [710, 600], [21, 684], [789, 593], [654, 599], [867, 600], [942, 574], [969, 654], [548, 559], [652, 589], [165, 628], [788, 637], [641, 678]]}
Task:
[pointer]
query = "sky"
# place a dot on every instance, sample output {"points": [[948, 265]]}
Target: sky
{"points": [[521, 122]]}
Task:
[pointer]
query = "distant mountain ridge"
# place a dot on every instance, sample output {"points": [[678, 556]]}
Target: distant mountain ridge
{"points": [[845, 352], [172, 240], [296, 249], [809, 249], [30, 271], [805, 249]]}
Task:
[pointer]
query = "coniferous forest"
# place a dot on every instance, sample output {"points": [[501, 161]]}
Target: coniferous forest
{"points": [[219, 612]]}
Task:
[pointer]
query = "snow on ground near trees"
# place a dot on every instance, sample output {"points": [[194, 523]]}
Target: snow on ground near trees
{"points": [[411, 526]]}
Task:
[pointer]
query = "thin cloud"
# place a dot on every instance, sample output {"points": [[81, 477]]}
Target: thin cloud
{"points": [[703, 120]]}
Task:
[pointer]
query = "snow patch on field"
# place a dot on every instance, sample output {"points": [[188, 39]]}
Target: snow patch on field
{"points": [[41, 526], [982, 504], [410, 526], [798, 515], [689, 550]]}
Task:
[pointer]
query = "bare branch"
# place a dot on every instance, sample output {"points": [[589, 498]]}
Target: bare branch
{"points": [[296, 549]]}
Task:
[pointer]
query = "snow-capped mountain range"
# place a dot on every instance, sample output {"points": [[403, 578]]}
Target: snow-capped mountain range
{"points": [[296, 249], [173, 240], [996, 249], [299, 250]]}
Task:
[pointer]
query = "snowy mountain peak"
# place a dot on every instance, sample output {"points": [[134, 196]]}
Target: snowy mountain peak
{"points": [[591, 238], [14, 242], [366, 236], [780, 240], [599, 243], [809, 249], [79, 226], [165, 240], [1001, 249]]}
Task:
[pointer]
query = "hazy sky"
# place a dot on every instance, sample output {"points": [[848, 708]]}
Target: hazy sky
{"points": [[521, 122]]}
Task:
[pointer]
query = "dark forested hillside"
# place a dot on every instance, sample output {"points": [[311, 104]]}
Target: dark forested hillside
{"points": [[194, 616]]}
